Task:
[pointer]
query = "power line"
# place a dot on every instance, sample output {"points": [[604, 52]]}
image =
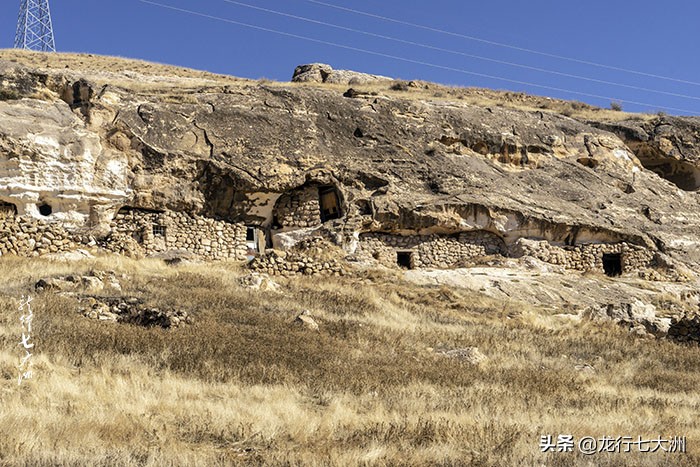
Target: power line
{"points": [[456, 52], [501, 44], [409, 60]]}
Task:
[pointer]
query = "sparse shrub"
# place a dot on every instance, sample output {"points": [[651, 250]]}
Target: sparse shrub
{"points": [[9, 94], [399, 86], [616, 106]]}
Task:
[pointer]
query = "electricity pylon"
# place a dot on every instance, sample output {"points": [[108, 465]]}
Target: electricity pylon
{"points": [[34, 29]]}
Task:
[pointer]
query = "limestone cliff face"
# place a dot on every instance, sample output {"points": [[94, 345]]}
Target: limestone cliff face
{"points": [[88, 140]]}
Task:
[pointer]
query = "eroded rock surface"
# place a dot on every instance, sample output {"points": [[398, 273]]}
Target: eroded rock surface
{"points": [[80, 143]]}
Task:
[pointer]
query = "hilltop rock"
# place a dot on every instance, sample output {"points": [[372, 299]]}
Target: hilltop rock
{"points": [[322, 73]]}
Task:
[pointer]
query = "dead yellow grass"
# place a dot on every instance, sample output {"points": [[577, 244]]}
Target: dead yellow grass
{"points": [[243, 385]]}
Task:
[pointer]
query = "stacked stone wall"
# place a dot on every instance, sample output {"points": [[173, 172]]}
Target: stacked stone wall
{"points": [[586, 257], [429, 251], [299, 208], [30, 237], [158, 232], [282, 263]]}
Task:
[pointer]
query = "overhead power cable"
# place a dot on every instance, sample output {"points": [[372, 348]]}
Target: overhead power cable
{"points": [[463, 54], [409, 60], [501, 44]]}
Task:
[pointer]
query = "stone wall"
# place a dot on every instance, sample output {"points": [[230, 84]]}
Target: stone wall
{"points": [[585, 257], [290, 263], [298, 208], [156, 232], [429, 251], [26, 236]]}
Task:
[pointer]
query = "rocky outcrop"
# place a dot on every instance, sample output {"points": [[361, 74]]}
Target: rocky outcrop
{"points": [[638, 317], [322, 73], [78, 145], [131, 310], [668, 146]]}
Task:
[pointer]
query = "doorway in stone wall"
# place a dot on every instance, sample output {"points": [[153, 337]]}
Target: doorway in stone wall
{"points": [[612, 264], [329, 202], [404, 259]]}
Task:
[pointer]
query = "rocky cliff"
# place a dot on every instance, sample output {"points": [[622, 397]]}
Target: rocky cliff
{"points": [[82, 137]]}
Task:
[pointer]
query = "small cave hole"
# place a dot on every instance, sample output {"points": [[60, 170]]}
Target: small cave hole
{"points": [[404, 259], [45, 210], [588, 162], [612, 264], [358, 133]]}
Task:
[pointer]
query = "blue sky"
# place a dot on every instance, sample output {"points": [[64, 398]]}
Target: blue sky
{"points": [[646, 36]]}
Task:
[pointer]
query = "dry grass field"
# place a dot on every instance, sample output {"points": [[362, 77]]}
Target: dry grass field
{"points": [[243, 385]]}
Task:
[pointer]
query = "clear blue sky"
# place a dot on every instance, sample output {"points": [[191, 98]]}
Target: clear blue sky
{"points": [[654, 37]]}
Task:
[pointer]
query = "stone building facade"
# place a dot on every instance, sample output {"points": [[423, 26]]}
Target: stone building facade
{"points": [[147, 232], [428, 251], [157, 232], [307, 206], [441, 251], [612, 258]]}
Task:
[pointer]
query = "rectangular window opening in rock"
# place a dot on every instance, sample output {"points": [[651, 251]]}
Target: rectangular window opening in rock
{"points": [[612, 264], [404, 259], [330, 203]]}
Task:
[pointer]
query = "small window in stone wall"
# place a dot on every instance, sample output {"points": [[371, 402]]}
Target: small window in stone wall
{"points": [[404, 259], [158, 230]]}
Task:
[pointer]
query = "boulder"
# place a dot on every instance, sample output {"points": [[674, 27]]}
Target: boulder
{"points": [[304, 319]]}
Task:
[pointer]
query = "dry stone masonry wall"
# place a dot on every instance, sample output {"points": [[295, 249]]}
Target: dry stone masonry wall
{"points": [[283, 263], [299, 208], [157, 232], [29, 237], [585, 257], [429, 251]]}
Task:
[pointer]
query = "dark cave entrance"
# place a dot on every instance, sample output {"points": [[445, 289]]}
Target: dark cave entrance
{"points": [[612, 264], [404, 259], [45, 210]]}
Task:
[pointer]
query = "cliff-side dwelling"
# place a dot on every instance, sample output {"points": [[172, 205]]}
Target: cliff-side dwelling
{"points": [[394, 179]]}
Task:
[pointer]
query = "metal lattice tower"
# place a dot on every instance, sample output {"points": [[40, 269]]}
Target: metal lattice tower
{"points": [[34, 29]]}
